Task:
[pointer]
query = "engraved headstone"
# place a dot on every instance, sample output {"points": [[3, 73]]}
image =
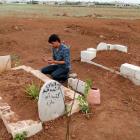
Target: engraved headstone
{"points": [[51, 101]]}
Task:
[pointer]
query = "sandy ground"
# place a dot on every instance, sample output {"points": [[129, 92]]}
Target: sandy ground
{"points": [[118, 116]]}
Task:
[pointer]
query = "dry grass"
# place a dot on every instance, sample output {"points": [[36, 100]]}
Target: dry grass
{"points": [[26, 10]]}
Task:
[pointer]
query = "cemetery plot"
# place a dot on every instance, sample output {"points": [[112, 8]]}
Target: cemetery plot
{"points": [[114, 59], [13, 86], [13, 90], [20, 92]]}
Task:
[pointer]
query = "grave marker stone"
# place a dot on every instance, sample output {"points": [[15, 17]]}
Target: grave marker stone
{"points": [[5, 63], [51, 101]]}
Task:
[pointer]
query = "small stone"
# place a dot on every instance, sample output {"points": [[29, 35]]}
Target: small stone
{"points": [[16, 28], [73, 136], [66, 30], [102, 36], [73, 75]]}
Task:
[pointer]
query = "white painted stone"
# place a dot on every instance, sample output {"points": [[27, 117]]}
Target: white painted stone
{"points": [[102, 46], [94, 51], [120, 48], [40, 75], [127, 70], [5, 63], [29, 126], [51, 101], [4, 110], [3, 107], [27, 68], [87, 55], [131, 72], [77, 85], [91, 49], [135, 81], [7, 119], [131, 67], [36, 73], [111, 47], [72, 75], [137, 74]]}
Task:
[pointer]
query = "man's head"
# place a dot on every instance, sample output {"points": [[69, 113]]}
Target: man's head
{"points": [[54, 40]]}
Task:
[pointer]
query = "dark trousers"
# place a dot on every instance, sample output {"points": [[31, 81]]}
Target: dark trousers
{"points": [[58, 73]]}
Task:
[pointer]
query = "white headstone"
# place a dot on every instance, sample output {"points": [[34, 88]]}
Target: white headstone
{"points": [[5, 63], [51, 101]]}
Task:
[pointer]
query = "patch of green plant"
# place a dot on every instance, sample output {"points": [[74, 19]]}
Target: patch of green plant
{"points": [[88, 86], [15, 59], [20, 136], [32, 91], [83, 103]]}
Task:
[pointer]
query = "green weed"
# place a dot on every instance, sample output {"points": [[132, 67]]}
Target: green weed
{"points": [[20, 136], [32, 91], [83, 103]]}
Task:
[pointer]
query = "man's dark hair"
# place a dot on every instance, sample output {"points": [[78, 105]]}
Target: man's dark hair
{"points": [[54, 38]]}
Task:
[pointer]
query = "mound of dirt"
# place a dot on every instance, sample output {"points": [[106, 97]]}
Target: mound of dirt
{"points": [[114, 59], [12, 90]]}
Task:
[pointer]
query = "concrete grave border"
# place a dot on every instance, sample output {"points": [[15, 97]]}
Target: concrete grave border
{"points": [[105, 47], [88, 54], [13, 125], [101, 66], [128, 71], [131, 72]]}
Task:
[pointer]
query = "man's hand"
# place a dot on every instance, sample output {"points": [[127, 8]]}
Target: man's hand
{"points": [[48, 60], [51, 61]]}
